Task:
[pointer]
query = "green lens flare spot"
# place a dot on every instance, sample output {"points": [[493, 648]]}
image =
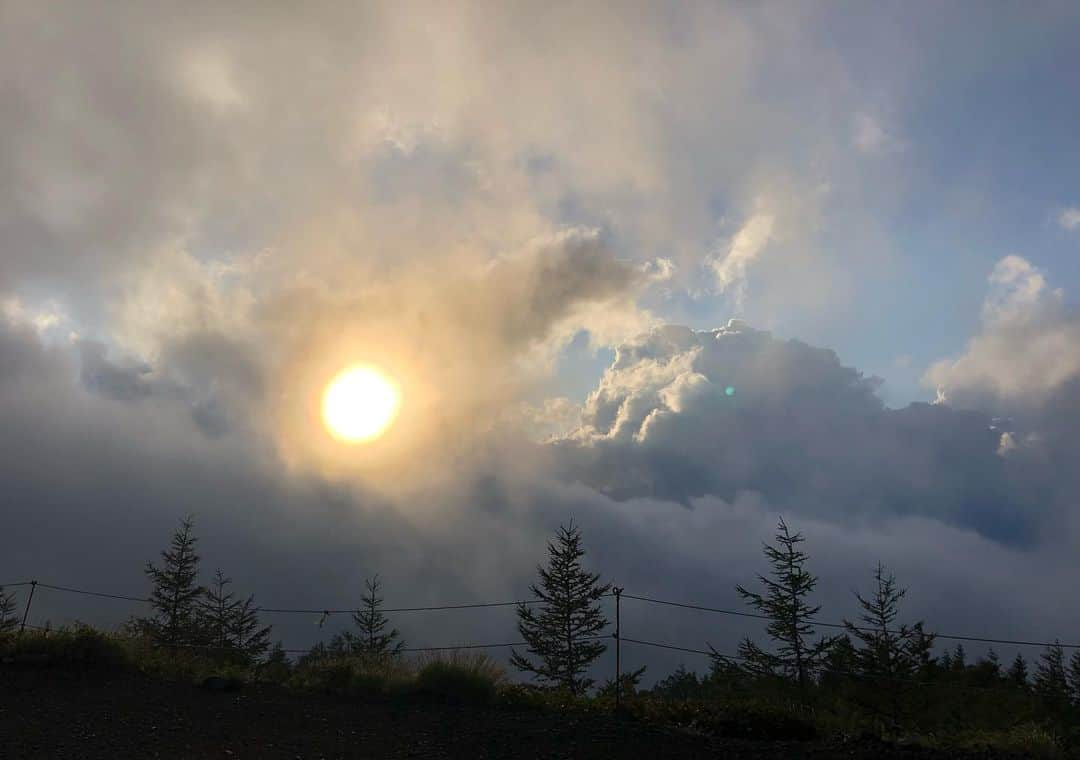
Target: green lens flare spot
{"points": [[729, 391]]}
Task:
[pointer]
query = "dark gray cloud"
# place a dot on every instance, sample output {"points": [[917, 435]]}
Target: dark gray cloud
{"points": [[683, 415], [120, 382]]}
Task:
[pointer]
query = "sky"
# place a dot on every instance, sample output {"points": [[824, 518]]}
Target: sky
{"points": [[669, 270]]}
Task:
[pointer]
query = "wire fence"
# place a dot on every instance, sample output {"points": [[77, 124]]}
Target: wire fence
{"points": [[518, 602], [847, 626], [617, 636]]}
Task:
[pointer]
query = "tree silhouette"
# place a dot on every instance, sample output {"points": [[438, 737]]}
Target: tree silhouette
{"points": [[785, 605], [627, 685], [840, 665], [1017, 673], [8, 618], [371, 639], [176, 593], [247, 635], [682, 685], [1051, 682], [232, 624], [958, 661], [218, 608], [889, 655], [1074, 677], [561, 631]]}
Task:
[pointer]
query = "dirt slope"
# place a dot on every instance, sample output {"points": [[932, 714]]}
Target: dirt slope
{"points": [[49, 714]]}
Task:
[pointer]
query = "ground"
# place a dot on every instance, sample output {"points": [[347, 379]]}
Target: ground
{"points": [[50, 713]]}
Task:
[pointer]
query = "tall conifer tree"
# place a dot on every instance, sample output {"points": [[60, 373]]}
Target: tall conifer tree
{"points": [[1051, 681], [785, 605], [247, 634], [372, 623], [1018, 672], [561, 631], [218, 610], [176, 593], [370, 639], [1074, 677], [231, 624], [890, 654]]}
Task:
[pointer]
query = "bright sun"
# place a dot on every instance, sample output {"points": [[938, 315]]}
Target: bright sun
{"points": [[360, 404]]}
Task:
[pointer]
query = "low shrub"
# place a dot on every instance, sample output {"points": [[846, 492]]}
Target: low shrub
{"points": [[184, 664], [80, 645], [353, 675], [456, 683], [463, 675], [1030, 739]]}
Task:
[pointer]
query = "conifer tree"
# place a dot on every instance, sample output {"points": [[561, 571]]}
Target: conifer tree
{"points": [[232, 624], [889, 654], [986, 671], [1074, 677], [959, 659], [277, 655], [8, 618], [176, 593], [840, 664], [682, 684], [372, 623], [218, 609], [1051, 682], [1018, 672], [371, 639], [561, 631], [247, 635], [789, 613], [921, 645], [276, 667], [628, 683], [887, 650]]}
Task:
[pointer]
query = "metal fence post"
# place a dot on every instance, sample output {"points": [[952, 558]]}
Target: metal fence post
{"points": [[618, 647], [26, 611]]}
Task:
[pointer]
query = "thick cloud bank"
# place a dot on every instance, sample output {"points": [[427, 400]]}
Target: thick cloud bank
{"points": [[682, 415]]}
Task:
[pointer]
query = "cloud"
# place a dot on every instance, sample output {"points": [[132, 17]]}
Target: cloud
{"points": [[682, 415], [872, 138], [747, 244], [1027, 349], [1069, 218]]}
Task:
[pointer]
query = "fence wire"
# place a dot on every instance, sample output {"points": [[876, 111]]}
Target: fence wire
{"points": [[326, 612]]}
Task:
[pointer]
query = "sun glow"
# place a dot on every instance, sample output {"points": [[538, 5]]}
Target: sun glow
{"points": [[360, 404]]}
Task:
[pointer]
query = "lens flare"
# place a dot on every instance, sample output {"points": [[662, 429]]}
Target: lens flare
{"points": [[360, 404]]}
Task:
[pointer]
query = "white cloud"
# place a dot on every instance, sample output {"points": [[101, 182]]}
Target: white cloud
{"points": [[731, 268], [208, 76], [871, 137], [1028, 347], [1069, 219]]}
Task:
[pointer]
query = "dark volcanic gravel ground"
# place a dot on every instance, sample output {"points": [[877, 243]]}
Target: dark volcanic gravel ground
{"points": [[47, 713]]}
